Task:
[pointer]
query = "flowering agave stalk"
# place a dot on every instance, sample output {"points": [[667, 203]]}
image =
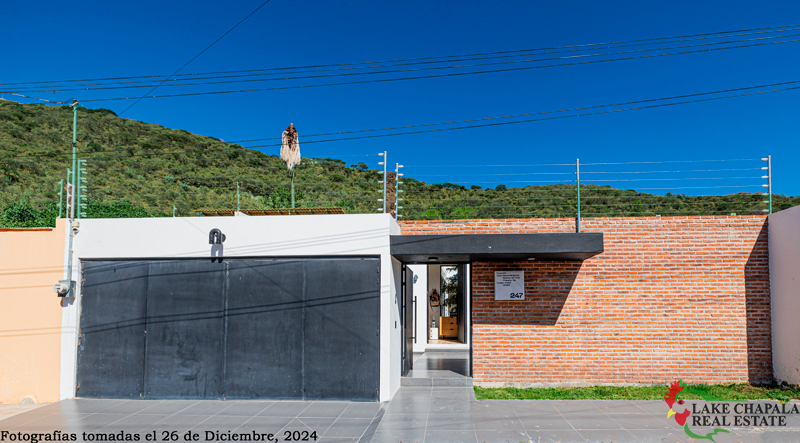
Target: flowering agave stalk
{"points": [[290, 151]]}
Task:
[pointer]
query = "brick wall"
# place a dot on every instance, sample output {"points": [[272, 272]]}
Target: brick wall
{"points": [[670, 298]]}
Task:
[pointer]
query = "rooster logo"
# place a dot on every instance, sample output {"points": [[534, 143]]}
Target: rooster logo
{"points": [[674, 391]]}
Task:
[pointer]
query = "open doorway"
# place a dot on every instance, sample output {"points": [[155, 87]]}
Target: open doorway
{"points": [[440, 298], [447, 305]]}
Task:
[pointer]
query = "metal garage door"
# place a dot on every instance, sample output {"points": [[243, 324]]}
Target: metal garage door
{"points": [[240, 328]]}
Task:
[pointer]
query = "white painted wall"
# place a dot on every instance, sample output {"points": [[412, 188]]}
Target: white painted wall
{"points": [[395, 328], [421, 314], [784, 282], [296, 235]]}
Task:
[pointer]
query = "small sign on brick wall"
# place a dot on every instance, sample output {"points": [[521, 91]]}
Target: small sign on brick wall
{"points": [[509, 285]]}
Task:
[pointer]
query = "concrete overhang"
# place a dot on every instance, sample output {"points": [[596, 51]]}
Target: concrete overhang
{"points": [[464, 248]]}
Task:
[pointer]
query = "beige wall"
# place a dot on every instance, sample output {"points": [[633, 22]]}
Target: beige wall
{"points": [[31, 262], [784, 278]]}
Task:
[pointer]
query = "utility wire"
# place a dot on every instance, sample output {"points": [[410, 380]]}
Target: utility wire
{"points": [[36, 98], [198, 55], [699, 94], [429, 76], [529, 120], [660, 105], [720, 34], [138, 84]]}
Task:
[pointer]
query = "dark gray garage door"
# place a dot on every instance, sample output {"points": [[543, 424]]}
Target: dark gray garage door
{"points": [[239, 328]]}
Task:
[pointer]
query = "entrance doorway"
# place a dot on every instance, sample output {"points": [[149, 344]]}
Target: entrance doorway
{"points": [[447, 303], [437, 336], [446, 306]]}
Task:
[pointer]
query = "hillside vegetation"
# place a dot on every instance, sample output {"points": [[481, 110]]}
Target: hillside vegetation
{"points": [[140, 169]]}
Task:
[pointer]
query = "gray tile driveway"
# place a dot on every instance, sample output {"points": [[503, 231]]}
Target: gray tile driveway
{"points": [[333, 421], [415, 414]]}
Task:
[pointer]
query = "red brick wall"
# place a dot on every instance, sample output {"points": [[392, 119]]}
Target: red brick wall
{"points": [[670, 298]]}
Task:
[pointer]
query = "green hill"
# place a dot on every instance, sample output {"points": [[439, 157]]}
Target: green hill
{"points": [[140, 169]]}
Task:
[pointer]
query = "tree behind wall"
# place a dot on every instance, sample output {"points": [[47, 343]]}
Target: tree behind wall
{"points": [[22, 214]]}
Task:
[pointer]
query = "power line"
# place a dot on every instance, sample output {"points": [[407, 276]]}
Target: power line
{"points": [[528, 121], [137, 84], [199, 54], [453, 74], [699, 94], [553, 118], [720, 34], [36, 98]]}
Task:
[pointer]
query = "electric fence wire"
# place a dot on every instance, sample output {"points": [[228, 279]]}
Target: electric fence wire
{"points": [[573, 173]]}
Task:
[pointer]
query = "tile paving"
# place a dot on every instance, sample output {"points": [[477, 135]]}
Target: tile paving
{"points": [[333, 421], [415, 414], [407, 420], [439, 368], [428, 413]]}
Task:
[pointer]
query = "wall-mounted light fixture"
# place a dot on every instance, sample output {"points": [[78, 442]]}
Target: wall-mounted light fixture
{"points": [[216, 237]]}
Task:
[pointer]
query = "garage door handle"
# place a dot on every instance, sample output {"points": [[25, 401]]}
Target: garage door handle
{"points": [[414, 313]]}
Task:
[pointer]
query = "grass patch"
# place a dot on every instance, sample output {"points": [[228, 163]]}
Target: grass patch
{"points": [[732, 391]]}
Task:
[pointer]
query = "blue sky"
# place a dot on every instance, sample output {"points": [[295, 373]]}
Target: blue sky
{"points": [[49, 40]]}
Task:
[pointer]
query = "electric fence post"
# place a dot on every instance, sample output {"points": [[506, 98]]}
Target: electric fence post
{"points": [[70, 213], [78, 191], [383, 154], [768, 185], [81, 190], [60, 188], [578, 187], [74, 182], [397, 190]]}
